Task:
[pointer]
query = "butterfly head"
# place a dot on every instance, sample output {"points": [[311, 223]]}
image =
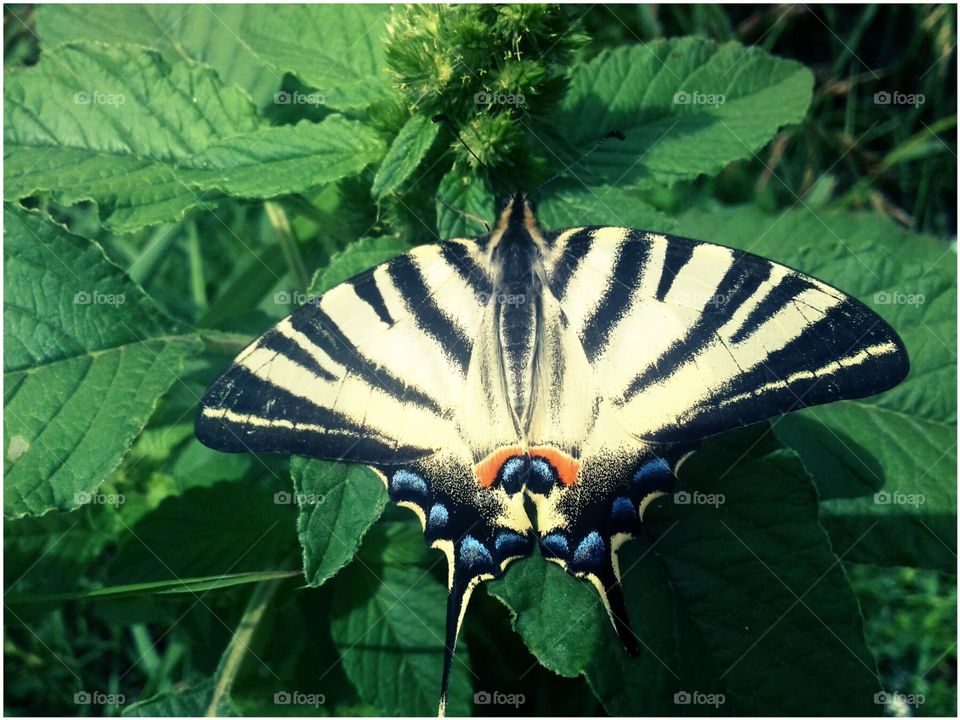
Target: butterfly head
{"points": [[517, 222]]}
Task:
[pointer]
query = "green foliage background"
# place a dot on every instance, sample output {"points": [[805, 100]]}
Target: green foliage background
{"points": [[176, 179]]}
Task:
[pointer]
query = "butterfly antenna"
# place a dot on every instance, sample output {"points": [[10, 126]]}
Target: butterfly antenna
{"points": [[449, 123], [612, 134]]}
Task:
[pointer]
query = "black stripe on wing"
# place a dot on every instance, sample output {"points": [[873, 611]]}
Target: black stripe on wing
{"points": [[242, 412], [574, 251], [627, 272], [429, 318]]}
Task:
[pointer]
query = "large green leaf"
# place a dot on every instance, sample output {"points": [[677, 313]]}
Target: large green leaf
{"points": [[464, 204], [354, 259], [601, 205], [688, 106], [336, 49], [336, 503], [735, 567], [208, 33], [148, 141], [234, 527], [87, 355], [388, 623], [407, 150], [885, 465]]}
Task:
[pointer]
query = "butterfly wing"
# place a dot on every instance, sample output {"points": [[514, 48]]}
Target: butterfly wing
{"points": [[391, 369], [672, 341]]}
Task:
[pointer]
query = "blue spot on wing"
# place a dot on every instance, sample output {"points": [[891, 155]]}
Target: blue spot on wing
{"points": [[438, 517], [512, 473], [474, 556], [511, 544], [591, 551], [623, 510], [541, 476], [653, 475], [555, 545], [405, 482]]}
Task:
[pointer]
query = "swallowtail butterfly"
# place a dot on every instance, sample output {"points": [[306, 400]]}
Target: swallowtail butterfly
{"points": [[577, 368]]}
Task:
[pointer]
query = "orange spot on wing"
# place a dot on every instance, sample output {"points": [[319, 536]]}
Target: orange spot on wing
{"points": [[567, 467], [486, 470]]}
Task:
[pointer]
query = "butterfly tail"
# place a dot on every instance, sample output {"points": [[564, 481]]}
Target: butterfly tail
{"points": [[461, 588], [616, 604]]}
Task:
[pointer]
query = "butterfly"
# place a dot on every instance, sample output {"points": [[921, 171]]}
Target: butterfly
{"points": [[576, 368]]}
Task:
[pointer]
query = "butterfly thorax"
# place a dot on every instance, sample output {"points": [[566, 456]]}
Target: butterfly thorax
{"points": [[517, 265]]}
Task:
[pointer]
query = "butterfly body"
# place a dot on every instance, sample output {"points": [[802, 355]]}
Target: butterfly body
{"points": [[574, 368]]}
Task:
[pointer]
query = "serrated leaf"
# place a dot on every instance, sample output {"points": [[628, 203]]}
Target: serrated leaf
{"points": [[212, 34], [148, 141], [233, 527], [464, 203], [87, 356], [601, 205], [358, 256], [190, 701], [406, 151], [873, 458], [336, 49], [734, 570], [336, 504], [688, 106], [388, 622]]}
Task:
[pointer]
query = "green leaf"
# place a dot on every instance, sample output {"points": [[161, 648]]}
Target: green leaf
{"points": [[234, 527], [336, 504], [354, 259], [716, 604], [687, 106], [147, 142], [407, 150], [87, 356], [885, 465], [212, 34], [190, 701], [464, 204], [388, 623], [336, 49], [601, 205]]}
